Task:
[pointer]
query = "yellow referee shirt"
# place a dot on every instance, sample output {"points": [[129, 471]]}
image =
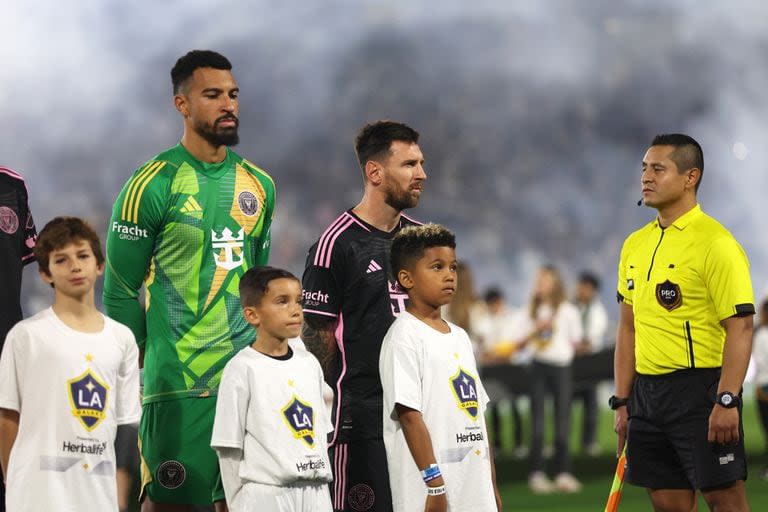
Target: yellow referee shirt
{"points": [[681, 281]]}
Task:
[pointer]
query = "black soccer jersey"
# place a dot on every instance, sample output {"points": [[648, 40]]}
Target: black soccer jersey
{"points": [[17, 238], [348, 277]]}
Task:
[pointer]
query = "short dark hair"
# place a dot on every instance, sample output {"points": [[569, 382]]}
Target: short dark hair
{"points": [[60, 232], [590, 279], [376, 138], [187, 64], [411, 242], [255, 283], [493, 294], [687, 154]]}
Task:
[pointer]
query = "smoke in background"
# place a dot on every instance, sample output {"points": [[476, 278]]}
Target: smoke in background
{"points": [[534, 115]]}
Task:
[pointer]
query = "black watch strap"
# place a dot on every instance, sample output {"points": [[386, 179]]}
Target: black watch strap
{"points": [[728, 400], [615, 402]]}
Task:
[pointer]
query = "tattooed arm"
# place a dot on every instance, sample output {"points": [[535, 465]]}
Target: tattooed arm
{"points": [[318, 336]]}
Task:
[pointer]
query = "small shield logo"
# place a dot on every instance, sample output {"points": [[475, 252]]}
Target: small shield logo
{"points": [[88, 397], [300, 418], [464, 388], [668, 295]]}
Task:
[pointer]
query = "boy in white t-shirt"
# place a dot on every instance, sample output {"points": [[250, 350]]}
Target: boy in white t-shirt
{"points": [[271, 424], [68, 377], [434, 403]]}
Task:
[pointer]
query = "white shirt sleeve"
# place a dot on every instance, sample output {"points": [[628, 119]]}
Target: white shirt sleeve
{"points": [[401, 374], [231, 407], [229, 464], [10, 383], [572, 323], [759, 354], [598, 325], [128, 399]]}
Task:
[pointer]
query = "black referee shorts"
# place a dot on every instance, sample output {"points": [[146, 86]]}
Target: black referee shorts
{"points": [[667, 445]]}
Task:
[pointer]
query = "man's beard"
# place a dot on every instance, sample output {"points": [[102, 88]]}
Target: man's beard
{"points": [[400, 199], [219, 136]]}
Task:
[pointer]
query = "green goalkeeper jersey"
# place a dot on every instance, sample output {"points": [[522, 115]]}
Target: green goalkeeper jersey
{"points": [[187, 230]]}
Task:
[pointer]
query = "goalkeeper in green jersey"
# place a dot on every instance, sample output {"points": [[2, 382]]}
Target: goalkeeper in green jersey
{"points": [[187, 225]]}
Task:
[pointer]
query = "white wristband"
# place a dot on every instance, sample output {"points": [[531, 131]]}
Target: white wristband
{"points": [[436, 491]]}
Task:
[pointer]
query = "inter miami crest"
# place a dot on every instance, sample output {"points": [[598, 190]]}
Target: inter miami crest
{"points": [[464, 388], [248, 203], [300, 418], [668, 295], [88, 397]]}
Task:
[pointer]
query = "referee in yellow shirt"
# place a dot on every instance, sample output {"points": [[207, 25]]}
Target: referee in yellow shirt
{"points": [[684, 341]]}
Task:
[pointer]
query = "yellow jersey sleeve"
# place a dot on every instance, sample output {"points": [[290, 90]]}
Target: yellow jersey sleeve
{"points": [[726, 272]]}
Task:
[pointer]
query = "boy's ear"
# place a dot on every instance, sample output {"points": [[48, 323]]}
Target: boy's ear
{"points": [[46, 278], [100, 269], [404, 278], [251, 316]]}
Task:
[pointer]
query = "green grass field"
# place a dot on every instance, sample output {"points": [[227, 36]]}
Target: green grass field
{"points": [[597, 473]]}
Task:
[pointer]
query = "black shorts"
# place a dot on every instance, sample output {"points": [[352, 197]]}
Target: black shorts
{"points": [[360, 477], [127, 448], [667, 445]]}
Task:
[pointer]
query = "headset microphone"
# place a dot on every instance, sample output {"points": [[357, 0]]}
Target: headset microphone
{"points": [[640, 202]]}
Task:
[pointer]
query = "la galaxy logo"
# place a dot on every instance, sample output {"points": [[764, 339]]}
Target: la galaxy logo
{"points": [[465, 390], [248, 203], [300, 418], [88, 398]]}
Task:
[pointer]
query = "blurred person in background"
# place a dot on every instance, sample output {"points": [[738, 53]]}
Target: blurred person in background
{"points": [[466, 310], [594, 323], [554, 328], [499, 331], [760, 356]]}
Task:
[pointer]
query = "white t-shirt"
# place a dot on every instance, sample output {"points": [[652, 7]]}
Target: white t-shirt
{"points": [[273, 411], [71, 390], [594, 323], [436, 374], [558, 347], [760, 355]]}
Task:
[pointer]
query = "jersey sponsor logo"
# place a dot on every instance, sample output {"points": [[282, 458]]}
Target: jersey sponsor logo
{"points": [[231, 254], [84, 446], [88, 397], [464, 387], [470, 437], [313, 464], [314, 298], [668, 295], [300, 418], [171, 474], [248, 203], [9, 221], [361, 497], [131, 233], [397, 297]]}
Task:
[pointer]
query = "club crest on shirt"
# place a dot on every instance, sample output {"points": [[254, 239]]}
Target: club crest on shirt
{"points": [[464, 388], [248, 203], [300, 418], [88, 397], [668, 295], [9, 221]]}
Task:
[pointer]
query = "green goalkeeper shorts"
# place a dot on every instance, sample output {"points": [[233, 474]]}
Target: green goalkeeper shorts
{"points": [[178, 464]]}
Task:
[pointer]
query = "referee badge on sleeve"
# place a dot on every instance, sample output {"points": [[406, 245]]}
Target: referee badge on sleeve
{"points": [[668, 295]]}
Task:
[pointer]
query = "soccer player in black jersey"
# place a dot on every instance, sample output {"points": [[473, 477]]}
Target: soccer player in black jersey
{"points": [[17, 238], [350, 300]]}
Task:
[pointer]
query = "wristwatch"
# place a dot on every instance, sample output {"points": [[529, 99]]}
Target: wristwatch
{"points": [[728, 400], [615, 402]]}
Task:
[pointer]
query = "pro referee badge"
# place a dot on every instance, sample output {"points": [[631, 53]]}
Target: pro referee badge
{"points": [[668, 295]]}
